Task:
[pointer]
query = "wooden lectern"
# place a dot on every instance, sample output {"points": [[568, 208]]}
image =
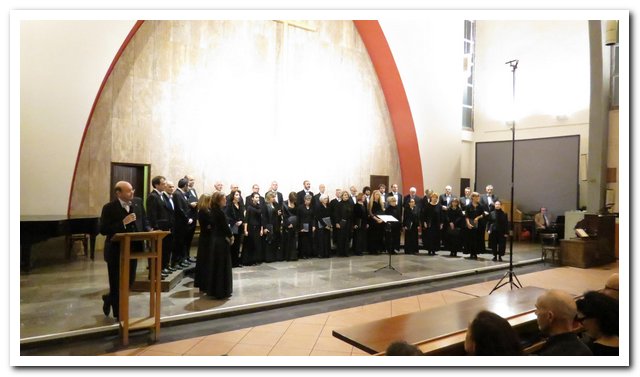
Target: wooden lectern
{"points": [[155, 259]]}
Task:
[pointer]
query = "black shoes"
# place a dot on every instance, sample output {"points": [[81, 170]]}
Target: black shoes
{"points": [[166, 271], [191, 259], [106, 305], [494, 258], [500, 259]]}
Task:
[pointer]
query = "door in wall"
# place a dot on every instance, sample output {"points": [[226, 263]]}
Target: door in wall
{"points": [[136, 174]]}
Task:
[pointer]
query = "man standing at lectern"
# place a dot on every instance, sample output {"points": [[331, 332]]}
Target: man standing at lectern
{"points": [[123, 215]]}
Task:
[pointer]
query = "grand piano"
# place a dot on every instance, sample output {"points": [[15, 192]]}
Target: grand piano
{"points": [[39, 228]]}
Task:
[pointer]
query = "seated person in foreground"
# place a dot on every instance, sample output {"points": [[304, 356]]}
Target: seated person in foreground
{"points": [[491, 335], [555, 312], [599, 315], [402, 348], [611, 286]]}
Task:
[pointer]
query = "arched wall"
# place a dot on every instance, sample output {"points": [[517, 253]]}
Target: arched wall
{"points": [[201, 97]]}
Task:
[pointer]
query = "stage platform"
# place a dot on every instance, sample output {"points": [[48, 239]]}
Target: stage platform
{"points": [[64, 300]]}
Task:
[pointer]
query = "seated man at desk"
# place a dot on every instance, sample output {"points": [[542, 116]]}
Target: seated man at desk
{"points": [[543, 224]]}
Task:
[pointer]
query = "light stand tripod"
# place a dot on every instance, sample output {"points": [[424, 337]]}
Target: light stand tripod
{"points": [[510, 274], [388, 242]]}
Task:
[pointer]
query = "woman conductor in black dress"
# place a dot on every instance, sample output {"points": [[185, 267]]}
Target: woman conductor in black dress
{"points": [[220, 282], [455, 222], [204, 241], [376, 225]]}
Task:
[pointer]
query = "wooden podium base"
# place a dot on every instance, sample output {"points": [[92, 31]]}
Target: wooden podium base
{"points": [[142, 280]]}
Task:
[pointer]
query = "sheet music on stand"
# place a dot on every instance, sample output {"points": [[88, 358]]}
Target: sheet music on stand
{"points": [[388, 218]]}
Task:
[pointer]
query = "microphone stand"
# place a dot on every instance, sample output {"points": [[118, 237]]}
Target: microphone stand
{"points": [[510, 275]]}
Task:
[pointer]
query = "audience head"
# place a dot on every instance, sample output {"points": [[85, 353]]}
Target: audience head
{"points": [[402, 348], [555, 312], [159, 183], [491, 335], [598, 314], [204, 202], [124, 191], [218, 200], [611, 287], [292, 197]]}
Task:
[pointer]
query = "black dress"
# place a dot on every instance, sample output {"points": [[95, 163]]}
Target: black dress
{"points": [[220, 281], [271, 239], [393, 243], [454, 224], [475, 235], [376, 230], [360, 222], [323, 231], [498, 228], [411, 222], [431, 227], [234, 215], [343, 215], [306, 223], [205, 245], [252, 252], [289, 217]]}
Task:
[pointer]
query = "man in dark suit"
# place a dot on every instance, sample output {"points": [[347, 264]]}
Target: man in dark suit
{"points": [[184, 221], [488, 200], [192, 199], [412, 195], [395, 193], [255, 189], [333, 209], [161, 218], [445, 198], [315, 200], [302, 193], [123, 215], [278, 195], [465, 201]]}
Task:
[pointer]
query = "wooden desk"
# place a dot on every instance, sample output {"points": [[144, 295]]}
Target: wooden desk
{"points": [[433, 324], [584, 253]]}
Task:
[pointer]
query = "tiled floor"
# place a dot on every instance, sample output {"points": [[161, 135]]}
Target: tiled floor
{"points": [[63, 297], [311, 335]]}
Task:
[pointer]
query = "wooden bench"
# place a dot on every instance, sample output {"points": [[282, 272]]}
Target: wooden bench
{"points": [[441, 330]]}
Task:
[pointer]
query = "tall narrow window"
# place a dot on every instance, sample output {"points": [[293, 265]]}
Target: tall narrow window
{"points": [[468, 66], [615, 62]]}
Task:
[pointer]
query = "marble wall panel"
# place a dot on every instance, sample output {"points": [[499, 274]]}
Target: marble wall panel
{"points": [[242, 102]]}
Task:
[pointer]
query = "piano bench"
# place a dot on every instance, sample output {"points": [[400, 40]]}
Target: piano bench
{"points": [[71, 239]]}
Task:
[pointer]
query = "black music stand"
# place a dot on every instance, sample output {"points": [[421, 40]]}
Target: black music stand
{"points": [[387, 219]]}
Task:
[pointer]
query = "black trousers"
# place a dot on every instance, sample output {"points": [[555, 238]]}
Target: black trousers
{"points": [[113, 269]]}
